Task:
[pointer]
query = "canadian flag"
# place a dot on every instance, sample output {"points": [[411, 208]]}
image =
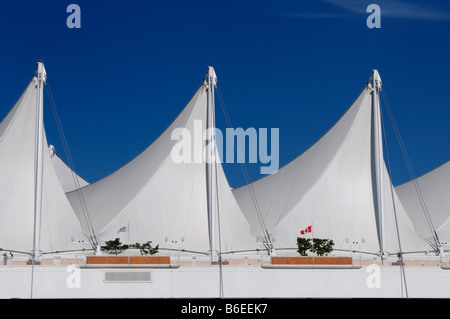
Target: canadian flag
{"points": [[307, 230]]}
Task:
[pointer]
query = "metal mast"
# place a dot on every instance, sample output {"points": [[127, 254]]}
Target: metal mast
{"points": [[40, 78], [211, 175], [211, 167], [378, 160]]}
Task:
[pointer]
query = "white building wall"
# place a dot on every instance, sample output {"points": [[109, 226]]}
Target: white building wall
{"points": [[238, 282]]}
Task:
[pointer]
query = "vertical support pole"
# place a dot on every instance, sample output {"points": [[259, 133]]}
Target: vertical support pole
{"points": [[211, 166], [378, 160], [41, 77], [213, 209]]}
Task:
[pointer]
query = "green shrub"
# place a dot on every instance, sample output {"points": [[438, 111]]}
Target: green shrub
{"points": [[322, 246], [319, 246], [303, 245], [114, 247], [146, 248]]}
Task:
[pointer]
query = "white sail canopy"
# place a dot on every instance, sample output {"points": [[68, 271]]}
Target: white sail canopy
{"points": [[60, 228], [331, 188], [68, 178], [154, 198], [434, 188]]}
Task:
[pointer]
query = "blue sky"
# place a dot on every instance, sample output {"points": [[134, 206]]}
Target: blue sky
{"points": [[122, 78]]}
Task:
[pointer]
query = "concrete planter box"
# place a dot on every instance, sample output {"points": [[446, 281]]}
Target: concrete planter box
{"points": [[312, 260], [128, 260]]}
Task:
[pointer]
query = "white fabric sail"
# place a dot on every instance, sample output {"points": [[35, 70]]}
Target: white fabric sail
{"points": [[154, 198], [60, 228], [435, 189], [330, 187], [68, 178]]}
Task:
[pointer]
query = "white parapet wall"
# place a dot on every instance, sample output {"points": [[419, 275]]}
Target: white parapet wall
{"points": [[73, 281]]}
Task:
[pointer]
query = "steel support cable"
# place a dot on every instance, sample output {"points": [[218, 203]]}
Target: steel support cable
{"points": [[36, 152], [92, 236], [243, 167], [68, 156], [408, 163], [402, 267], [220, 259], [246, 176], [411, 171], [220, 241], [218, 209]]}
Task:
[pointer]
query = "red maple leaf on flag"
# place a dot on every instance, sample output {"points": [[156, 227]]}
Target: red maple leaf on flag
{"points": [[307, 230]]}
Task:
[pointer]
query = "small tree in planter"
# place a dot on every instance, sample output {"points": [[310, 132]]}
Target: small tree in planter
{"points": [[322, 246], [303, 244], [317, 245], [146, 248], [114, 246]]}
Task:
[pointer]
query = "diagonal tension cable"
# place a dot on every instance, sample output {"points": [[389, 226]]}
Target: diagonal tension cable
{"points": [[246, 176], [411, 171], [92, 236]]}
